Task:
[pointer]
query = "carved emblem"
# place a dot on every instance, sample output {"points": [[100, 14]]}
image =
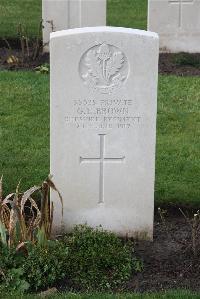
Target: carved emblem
{"points": [[104, 68]]}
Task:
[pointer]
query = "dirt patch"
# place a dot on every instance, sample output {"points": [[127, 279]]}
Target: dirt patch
{"points": [[14, 60], [169, 261], [182, 64]]}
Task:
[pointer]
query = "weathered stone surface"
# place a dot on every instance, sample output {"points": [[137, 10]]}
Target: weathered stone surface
{"points": [[103, 127]]}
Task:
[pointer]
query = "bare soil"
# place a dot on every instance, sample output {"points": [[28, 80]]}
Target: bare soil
{"points": [[14, 60], [170, 261], [182, 64]]}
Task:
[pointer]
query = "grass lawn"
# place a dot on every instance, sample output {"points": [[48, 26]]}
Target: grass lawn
{"points": [[13, 12], [167, 295], [126, 13], [24, 134], [24, 128], [178, 140]]}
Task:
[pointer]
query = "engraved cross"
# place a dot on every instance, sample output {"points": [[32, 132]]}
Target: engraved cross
{"points": [[180, 3], [101, 160]]}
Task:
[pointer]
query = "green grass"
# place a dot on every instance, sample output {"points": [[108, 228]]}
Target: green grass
{"points": [[165, 295], [24, 134], [13, 12], [178, 140], [24, 128], [126, 13]]}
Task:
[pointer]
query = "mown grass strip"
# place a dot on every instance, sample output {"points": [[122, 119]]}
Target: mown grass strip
{"points": [[164, 295]]}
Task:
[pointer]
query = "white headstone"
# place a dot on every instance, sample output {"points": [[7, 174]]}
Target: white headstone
{"points": [[103, 127], [178, 24], [66, 14]]}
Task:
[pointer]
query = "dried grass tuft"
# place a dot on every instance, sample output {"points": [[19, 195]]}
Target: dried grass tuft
{"points": [[27, 217]]}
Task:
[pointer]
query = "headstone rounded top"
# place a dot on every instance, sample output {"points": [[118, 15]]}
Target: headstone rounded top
{"points": [[84, 30]]}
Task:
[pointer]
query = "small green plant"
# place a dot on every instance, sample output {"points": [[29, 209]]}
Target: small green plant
{"points": [[42, 69], [11, 271], [44, 266], [97, 259], [14, 281], [38, 268]]}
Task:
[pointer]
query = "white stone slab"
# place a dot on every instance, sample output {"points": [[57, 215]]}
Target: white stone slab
{"points": [[178, 24], [103, 127], [65, 14]]}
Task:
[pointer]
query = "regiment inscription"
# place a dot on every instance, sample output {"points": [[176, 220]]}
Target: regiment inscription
{"points": [[110, 113]]}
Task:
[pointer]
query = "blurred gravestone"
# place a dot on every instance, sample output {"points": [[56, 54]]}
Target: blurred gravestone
{"points": [[178, 24], [65, 14]]}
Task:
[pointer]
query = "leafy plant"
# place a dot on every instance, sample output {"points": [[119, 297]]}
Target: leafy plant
{"points": [[14, 281], [97, 259], [42, 69], [44, 266], [24, 219], [25, 245], [38, 268], [91, 258], [11, 271]]}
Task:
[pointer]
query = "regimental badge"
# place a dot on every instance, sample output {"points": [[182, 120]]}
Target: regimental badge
{"points": [[104, 68]]}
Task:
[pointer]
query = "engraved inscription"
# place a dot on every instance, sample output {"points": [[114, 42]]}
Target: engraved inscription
{"points": [[180, 3], [102, 114], [101, 160], [103, 68]]}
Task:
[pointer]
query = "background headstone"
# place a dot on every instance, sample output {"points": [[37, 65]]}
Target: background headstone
{"points": [[103, 127], [178, 24], [65, 14]]}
